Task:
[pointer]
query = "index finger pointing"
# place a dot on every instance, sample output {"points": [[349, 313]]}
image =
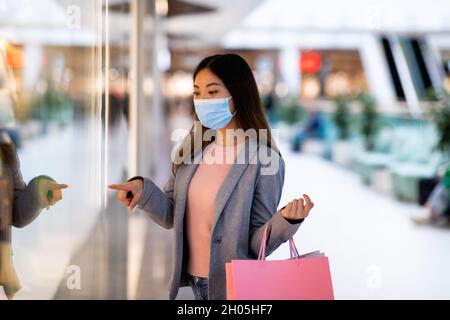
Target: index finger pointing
{"points": [[119, 187], [59, 186]]}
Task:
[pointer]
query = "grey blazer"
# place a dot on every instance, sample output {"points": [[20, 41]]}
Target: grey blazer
{"points": [[245, 204], [19, 201], [19, 206]]}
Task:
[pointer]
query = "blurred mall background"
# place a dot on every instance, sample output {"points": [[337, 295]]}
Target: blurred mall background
{"points": [[355, 88]]}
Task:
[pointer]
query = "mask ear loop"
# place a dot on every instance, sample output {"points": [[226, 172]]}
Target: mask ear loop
{"points": [[235, 111]]}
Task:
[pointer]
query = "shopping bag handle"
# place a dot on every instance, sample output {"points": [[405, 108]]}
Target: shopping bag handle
{"points": [[293, 249], [262, 248]]}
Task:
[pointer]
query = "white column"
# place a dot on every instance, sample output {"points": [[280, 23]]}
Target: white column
{"points": [[405, 76], [136, 231], [136, 85], [33, 64], [160, 61], [377, 71], [434, 44], [289, 67]]}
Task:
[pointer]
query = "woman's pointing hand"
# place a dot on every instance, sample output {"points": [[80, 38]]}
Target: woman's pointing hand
{"points": [[129, 192]]}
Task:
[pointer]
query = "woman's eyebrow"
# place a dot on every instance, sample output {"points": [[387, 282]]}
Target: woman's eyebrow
{"points": [[208, 85], [213, 84]]}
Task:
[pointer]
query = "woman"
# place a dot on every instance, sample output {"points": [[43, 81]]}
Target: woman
{"points": [[219, 209], [20, 204], [437, 206]]}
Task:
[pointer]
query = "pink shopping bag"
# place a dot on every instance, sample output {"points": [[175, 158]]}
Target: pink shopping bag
{"points": [[305, 277]]}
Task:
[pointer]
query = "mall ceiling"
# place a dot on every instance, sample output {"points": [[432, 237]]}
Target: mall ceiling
{"points": [[196, 23], [203, 28], [175, 7], [202, 23]]}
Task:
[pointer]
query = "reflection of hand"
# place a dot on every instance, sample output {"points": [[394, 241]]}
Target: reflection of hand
{"points": [[129, 192], [50, 192], [8, 276]]}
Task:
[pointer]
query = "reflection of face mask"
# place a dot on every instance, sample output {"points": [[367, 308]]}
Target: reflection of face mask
{"points": [[213, 113]]}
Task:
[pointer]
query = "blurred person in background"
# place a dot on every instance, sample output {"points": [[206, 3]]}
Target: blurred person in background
{"points": [[220, 207], [119, 100], [437, 203], [314, 129], [270, 104]]}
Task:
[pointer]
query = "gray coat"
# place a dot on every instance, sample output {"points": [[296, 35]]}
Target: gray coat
{"points": [[19, 206], [245, 204], [19, 202]]}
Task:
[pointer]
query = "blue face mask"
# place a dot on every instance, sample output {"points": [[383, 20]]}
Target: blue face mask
{"points": [[213, 113]]}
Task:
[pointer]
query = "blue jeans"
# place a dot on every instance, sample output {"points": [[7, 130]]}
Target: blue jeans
{"points": [[200, 288]]}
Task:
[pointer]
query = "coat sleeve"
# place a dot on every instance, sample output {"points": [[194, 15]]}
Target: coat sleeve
{"points": [[264, 213], [26, 205], [157, 203]]}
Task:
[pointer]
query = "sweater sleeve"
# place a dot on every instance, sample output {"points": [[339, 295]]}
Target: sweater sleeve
{"points": [[26, 205]]}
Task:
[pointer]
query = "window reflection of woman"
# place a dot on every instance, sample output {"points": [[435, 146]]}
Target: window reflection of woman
{"points": [[20, 203]]}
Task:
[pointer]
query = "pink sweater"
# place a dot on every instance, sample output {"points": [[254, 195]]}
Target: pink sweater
{"points": [[201, 203]]}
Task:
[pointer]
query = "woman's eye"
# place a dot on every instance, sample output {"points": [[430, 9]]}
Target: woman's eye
{"points": [[213, 92], [195, 94]]}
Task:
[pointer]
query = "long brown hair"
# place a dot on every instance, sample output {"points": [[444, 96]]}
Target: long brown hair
{"points": [[238, 78]]}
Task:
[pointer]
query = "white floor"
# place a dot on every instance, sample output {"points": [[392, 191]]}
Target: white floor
{"points": [[375, 251]]}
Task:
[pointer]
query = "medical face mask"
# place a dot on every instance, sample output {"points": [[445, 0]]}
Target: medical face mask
{"points": [[213, 113]]}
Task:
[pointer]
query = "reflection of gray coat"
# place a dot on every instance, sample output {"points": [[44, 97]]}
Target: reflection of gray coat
{"points": [[19, 206], [19, 202], [245, 204]]}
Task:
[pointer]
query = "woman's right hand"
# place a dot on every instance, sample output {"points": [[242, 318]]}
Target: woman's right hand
{"points": [[129, 192]]}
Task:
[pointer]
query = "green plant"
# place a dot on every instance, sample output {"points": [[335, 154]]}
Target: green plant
{"points": [[52, 105], [441, 119], [290, 111], [369, 119], [446, 179], [432, 94], [53, 99], [342, 117]]}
